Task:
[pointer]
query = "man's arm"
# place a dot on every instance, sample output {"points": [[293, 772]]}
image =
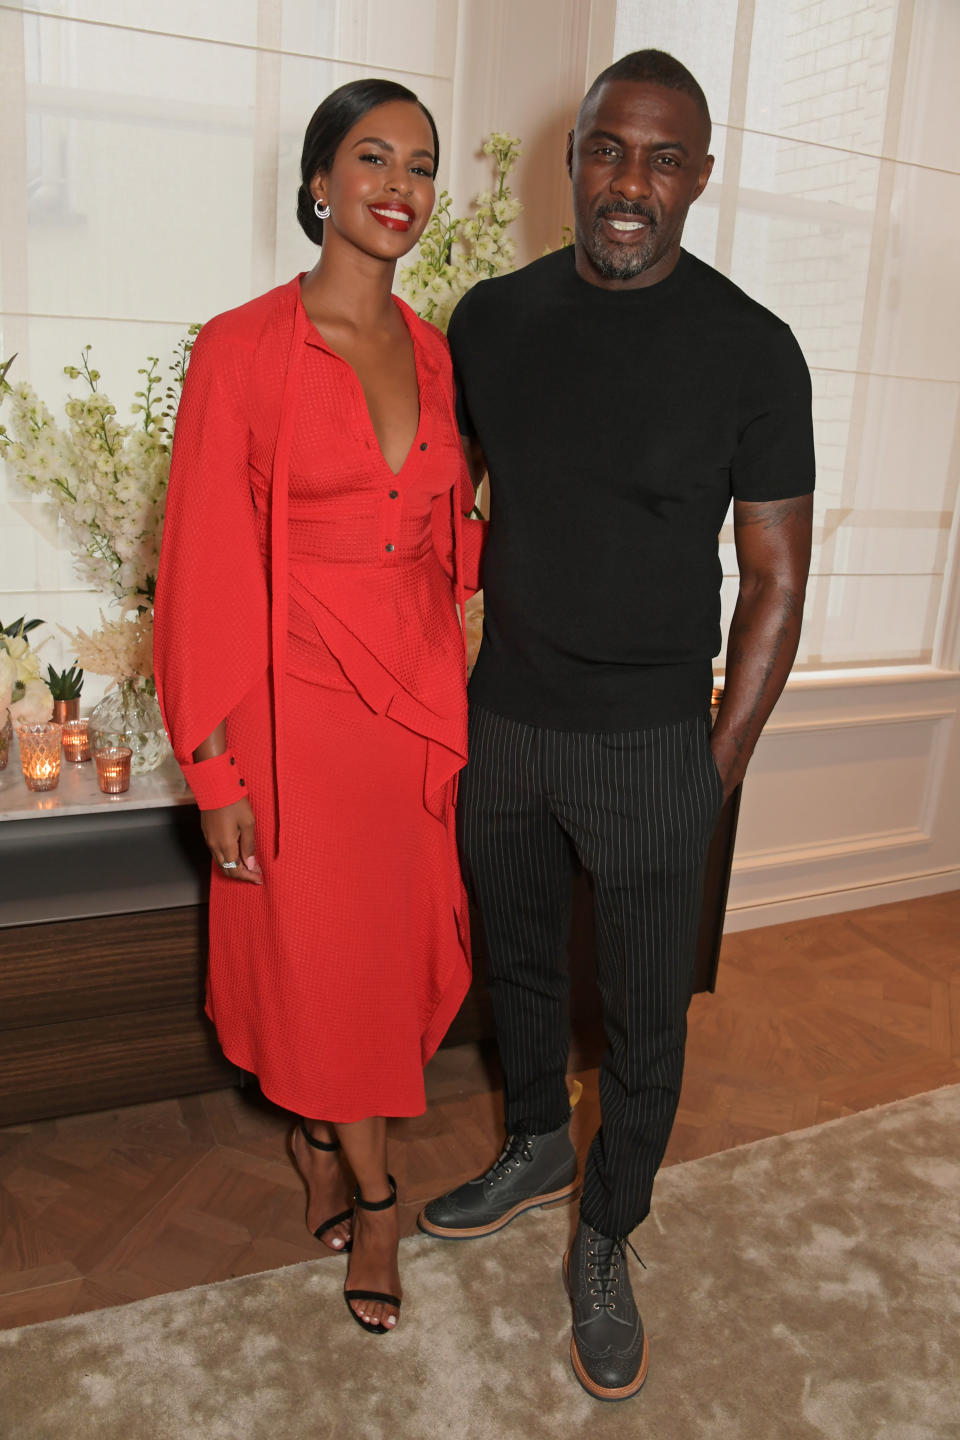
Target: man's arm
{"points": [[773, 554]]}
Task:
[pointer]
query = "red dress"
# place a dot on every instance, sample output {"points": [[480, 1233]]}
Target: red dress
{"points": [[310, 595]]}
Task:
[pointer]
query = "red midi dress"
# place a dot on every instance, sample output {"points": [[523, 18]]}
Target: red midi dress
{"points": [[309, 595]]}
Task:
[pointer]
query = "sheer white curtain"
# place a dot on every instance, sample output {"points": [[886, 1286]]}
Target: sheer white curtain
{"points": [[836, 202], [150, 170]]}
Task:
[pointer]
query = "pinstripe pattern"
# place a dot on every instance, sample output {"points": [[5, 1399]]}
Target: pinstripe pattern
{"points": [[637, 809]]}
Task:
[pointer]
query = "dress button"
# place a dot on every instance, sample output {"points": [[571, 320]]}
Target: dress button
{"points": [[423, 445], [394, 494], [390, 549]]}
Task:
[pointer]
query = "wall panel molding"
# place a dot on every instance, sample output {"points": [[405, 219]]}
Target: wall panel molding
{"points": [[850, 800]]}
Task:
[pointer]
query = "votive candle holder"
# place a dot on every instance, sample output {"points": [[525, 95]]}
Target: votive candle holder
{"points": [[113, 768], [76, 741], [40, 755]]}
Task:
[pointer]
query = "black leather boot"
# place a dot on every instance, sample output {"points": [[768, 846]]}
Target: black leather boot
{"points": [[608, 1347], [531, 1170]]}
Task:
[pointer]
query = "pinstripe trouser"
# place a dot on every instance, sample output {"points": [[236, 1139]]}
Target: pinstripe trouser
{"points": [[637, 808]]}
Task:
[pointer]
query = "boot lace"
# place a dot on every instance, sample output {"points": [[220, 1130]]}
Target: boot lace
{"points": [[605, 1258], [514, 1153]]}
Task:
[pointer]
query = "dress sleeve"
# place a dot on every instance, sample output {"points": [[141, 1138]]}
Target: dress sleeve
{"points": [[473, 532], [459, 346], [211, 618]]}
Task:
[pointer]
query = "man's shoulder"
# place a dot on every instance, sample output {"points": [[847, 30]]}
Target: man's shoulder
{"points": [[502, 293], [709, 287]]}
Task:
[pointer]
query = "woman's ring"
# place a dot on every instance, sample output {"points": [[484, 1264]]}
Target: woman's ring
{"points": [[228, 864]]}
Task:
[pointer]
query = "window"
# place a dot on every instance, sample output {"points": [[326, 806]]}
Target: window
{"points": [[835, 201]]}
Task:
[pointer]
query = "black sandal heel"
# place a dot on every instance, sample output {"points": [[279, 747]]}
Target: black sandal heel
{"points": [[322, 1230], [349, 1295]]}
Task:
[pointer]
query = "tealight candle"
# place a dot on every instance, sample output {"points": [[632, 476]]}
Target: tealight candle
{"points": [[76, 741], [40, 755], [113, 768]]}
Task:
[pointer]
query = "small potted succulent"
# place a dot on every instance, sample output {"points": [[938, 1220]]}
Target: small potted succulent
{"points": [[65, 687]]}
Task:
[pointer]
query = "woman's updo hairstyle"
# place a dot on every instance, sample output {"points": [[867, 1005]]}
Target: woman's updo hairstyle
{"points": [[334, 118]]}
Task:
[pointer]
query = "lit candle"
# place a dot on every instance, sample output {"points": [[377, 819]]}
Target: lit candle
{"points": [[76, 741], [40, 755], [113, 769]]}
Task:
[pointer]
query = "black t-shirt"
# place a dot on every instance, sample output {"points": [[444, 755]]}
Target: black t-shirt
{"points": [[617, 425]]}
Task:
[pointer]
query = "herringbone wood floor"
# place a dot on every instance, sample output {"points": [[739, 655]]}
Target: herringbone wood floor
{"points": [[810, 1021]]}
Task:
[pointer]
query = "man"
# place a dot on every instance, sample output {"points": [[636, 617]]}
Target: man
{"points": [[619, 393]]}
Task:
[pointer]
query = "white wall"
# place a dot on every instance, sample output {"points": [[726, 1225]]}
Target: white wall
{"points": [[851, 798]]}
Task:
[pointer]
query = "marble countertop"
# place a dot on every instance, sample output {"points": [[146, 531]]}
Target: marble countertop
{"points": [[78, 793]]}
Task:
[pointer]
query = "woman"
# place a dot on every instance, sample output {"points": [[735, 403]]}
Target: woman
{"points": [[310, 663]]}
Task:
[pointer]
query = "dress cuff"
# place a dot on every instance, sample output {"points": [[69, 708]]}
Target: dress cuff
{"points": [[215, 782]]}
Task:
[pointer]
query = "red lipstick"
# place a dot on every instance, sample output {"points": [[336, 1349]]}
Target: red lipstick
{"points": [[393, 214]]}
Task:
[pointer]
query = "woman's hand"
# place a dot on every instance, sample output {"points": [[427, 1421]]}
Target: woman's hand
{"points": [[229, 833]]}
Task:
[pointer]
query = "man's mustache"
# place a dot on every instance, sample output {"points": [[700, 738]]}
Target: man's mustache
{"points": [[630, 212]]}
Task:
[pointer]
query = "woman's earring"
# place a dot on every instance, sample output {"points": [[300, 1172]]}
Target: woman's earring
{"points": [[322, 212]]}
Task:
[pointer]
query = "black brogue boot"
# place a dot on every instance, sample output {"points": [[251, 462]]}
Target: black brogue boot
{"points": [[531, 1170], [608, 1347]]}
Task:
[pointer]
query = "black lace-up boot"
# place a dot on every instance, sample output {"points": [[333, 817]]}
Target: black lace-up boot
{"points": [[531, 1170], [608, 1347]]}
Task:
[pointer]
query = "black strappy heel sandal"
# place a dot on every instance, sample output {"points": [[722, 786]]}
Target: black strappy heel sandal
{"points": [[349, 1295], [327, 1225]]}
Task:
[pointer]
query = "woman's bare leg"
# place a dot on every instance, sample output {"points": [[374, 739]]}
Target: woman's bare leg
{"points": [[373, 1263], [327, 1190]]}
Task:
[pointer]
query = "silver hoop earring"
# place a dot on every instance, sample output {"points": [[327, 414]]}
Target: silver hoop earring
{"points": [[322, 212]]}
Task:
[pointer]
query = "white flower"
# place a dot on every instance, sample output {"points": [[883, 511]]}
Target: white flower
{"points": [[120, 648], [35, 706], [8, 678], [455, 253], [107, 481]]}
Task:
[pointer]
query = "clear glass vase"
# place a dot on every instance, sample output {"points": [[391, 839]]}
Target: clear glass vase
{"points": [[6, 736], [130, 715]]}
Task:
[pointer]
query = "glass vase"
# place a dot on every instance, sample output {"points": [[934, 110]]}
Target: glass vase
{"points": [[129, 715], [6, 736]]}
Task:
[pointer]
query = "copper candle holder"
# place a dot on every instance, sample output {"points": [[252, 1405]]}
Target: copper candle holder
{"points": [[113, 768], [76, 741], [40, 755]]}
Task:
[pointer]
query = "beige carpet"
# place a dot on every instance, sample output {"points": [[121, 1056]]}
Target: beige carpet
{"points": [[802, 1288]]}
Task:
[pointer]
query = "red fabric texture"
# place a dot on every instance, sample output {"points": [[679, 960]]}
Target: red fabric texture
{"points": [[216, 781], [309, 596]]}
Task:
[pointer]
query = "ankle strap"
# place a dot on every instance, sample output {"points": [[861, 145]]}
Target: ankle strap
{"points": [[377, 1204], [317, 1144]]}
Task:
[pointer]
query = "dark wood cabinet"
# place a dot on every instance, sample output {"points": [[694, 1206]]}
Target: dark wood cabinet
{"points": [[105, 1009]]}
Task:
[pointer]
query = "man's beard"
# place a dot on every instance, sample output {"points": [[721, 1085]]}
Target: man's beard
{"points": [[626, 261]]}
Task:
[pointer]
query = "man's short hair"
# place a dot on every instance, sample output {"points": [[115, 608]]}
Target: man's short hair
{"points": [[655, 67]]}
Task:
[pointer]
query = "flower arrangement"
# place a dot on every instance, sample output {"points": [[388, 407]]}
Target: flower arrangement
{"points": [[122, 648], [456, 252], [24, 695], [108, 485], [107, 481]]}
